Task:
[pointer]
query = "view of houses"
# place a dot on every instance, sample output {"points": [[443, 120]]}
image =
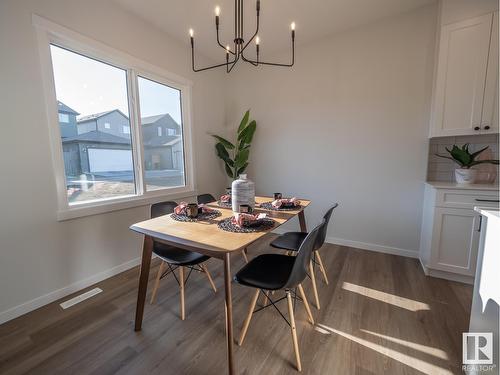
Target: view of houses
{"points": [[98, 154]]}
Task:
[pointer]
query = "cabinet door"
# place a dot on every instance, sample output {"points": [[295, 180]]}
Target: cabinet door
{"points": [[455, 240], [489, 120], [461, 74]]}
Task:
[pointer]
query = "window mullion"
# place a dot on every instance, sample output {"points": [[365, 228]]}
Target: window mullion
{"points": [[138, 150]]}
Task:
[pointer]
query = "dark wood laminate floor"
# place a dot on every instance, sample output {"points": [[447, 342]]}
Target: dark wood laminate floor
{"points": [[379, 315]]}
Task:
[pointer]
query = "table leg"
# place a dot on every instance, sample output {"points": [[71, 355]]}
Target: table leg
{"points": [[229, 312], [302, 221], [147, 251]]}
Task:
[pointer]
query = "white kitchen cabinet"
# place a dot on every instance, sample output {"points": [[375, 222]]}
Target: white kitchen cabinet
{"points": [[467, 78], [455, 240], [450, 229]]}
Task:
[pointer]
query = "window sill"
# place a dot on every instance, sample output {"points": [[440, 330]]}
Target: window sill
{"points": [[124, 203]]}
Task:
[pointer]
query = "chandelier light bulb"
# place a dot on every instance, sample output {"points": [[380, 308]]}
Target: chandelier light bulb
{"points": [[292, 26], [191, 33], [217, 11], [228, 48], [257, 40]]}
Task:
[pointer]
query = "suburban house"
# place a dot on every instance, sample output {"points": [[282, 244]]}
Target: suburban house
{"points": [[100, 143]]}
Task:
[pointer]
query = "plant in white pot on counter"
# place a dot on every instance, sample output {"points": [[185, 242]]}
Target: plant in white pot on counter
{"points": [[466, 160]]}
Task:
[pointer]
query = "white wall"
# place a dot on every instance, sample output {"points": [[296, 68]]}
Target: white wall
{"points": [[38, 255], [458, 10], [348, 124]]}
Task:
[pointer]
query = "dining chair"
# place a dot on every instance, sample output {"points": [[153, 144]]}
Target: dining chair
{"points": [[291, 242], [209, 198], [274, 272], [173, 258]]}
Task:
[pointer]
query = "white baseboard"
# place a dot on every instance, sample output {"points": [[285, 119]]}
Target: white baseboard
{"points": [[447, 275], [373, 247], [366, 246], [26, 307]]}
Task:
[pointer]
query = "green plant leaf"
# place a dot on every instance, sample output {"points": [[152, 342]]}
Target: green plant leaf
{"points": [[461, 155], [242, 169], [229, 171], [247, 134], [474, 154], [495, 162], [241, 158], [244, 121], [223, 154], [225, 142]]}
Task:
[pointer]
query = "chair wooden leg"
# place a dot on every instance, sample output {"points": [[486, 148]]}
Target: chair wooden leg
{"points": [[157, 282], [209, 277], [306, 303], [244, 253], [181, 284], [249, 317], [322, 267], [264, 297], [294, 330], [313, 280]]}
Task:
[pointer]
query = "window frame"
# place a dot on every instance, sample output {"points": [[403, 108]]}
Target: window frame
{"points": [[50, 33]]}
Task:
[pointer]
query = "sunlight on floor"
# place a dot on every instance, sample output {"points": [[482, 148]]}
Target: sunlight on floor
{"points": [[402, 302], [415, 363], [421, 348]]}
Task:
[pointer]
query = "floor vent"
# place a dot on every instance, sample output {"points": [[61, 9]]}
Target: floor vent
{"points": [[82, 297]]}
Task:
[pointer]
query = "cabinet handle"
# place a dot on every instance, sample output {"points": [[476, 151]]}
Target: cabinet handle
{"points": [[487, 127], [487, 200], [477, 128]]}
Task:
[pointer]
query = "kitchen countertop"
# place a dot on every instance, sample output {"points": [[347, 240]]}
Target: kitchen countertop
{"points": [[454, 185]]}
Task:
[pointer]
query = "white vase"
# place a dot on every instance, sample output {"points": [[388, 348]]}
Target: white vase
{"points": [[465, 176], [242, 192]]}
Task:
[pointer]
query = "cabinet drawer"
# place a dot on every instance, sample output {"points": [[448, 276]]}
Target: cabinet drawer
{"points": [[466, 198]]}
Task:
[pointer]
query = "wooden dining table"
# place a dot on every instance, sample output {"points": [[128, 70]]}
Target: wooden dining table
{"points": [[205, 237]]}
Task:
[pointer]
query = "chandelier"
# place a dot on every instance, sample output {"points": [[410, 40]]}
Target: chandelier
{"points": [[233, 55]]}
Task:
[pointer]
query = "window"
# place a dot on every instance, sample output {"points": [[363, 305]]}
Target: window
{"points": [[97, 167], [163, 158], [63, 117], [171, 131]]}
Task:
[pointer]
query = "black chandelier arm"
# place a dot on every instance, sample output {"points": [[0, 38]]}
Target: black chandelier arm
{"points": [[220, 44], [226, 64], [257, 28], [258, 62], [232, 63], [254, 63]]}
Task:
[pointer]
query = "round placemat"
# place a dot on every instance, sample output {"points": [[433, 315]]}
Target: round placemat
{"points": [[228, 226], [224, 204], [200, 217], [269, 206]]}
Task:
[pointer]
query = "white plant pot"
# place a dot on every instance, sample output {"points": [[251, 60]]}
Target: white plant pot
{"points": [[465, 176]]}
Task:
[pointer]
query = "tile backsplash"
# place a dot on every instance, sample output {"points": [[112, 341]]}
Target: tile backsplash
{"points": [[439, 169]]}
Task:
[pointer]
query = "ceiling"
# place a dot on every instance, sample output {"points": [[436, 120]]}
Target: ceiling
{"points": [[314, 19]]}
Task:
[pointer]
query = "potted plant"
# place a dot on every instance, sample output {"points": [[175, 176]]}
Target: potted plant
{"points": [[235, 155], [461, 155]]}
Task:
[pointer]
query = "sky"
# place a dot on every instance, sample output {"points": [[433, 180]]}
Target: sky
{"points": [[89, 86]]}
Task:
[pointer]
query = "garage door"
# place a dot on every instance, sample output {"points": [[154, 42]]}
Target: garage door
{"points": [[108, 160]]}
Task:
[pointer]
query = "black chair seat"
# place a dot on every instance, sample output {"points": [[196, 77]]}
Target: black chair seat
{"points": [[176, 256], [289, 241], [267, 271]]}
